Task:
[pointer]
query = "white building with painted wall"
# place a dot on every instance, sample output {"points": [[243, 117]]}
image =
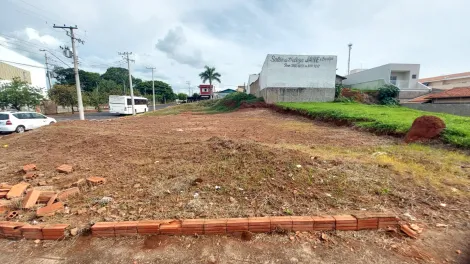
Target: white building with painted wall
{"points": [[298, 78], [36, 69], [403, 76]]}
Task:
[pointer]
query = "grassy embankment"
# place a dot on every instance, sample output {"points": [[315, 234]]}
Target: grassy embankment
{"points": [[385, 119], [227, 104]]}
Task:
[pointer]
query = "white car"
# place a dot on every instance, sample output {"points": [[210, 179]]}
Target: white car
{"points": [[21, 121]]}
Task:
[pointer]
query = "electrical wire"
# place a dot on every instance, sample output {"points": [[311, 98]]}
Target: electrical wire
{"points": [[19, 63]]}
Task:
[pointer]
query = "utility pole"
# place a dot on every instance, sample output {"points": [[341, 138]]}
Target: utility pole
{"points": [[189, 88], [48, 74], [153, 87], [125, 55], [349, 56], [75, 66]]}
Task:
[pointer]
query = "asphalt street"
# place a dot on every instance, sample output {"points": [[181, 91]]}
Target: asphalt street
{"points": [[97, 115]]}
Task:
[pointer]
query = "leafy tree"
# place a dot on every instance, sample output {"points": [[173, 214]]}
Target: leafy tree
{"points": [[120, 76], [64, 95], [19, 93], [195, 95], [96, 98], [388, 95], [110, 87], [182, 96], [209, 74], [88, 80]]}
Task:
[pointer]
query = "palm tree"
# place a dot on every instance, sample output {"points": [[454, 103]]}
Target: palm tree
{"points": [[209, 74]]}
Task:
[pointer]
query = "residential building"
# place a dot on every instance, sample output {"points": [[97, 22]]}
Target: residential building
{"points": [[297, 78], [241, 88], [460, 95], [223, 93], [205, 91], [339, 79], [445, 82], [27, 68], [403, 76]]}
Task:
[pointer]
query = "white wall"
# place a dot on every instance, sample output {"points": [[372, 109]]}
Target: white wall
{"points": [[38, 73], [383, 73], [298, 71], [251, 79]]}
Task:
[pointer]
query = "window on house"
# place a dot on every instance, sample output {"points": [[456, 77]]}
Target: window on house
{"points": [[413, 76]]}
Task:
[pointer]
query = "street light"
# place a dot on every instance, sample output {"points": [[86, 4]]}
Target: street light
{"points": [[349, 56]]}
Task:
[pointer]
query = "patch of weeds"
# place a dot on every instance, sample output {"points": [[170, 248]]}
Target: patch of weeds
{"points": [[288, 211]]}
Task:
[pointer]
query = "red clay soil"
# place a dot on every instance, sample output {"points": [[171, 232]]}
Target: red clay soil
{"points": [[425, 128]]}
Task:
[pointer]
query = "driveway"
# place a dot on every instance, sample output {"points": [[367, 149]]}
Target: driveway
{"points": [[97, 115]]}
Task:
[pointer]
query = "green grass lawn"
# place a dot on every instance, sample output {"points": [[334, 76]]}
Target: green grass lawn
{"points": [[386, 119]]}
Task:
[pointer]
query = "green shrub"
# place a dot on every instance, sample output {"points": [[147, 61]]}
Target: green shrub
{"points": [[338, 89], [233, 101], [388, 95]]}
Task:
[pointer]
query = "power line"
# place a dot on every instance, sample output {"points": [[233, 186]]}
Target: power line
{"points": [[19, 63]]}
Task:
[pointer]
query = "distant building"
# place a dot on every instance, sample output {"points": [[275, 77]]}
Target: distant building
{"points": [[223, 93], [241, 89], [356, 71], [13, 63], [459, 95], [403, 76], [339, 79], [297, 78], [205, 91], [250, 89], [9, 72], [446, 82]]}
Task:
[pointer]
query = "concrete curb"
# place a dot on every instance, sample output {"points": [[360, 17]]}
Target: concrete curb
{"points": [[354, 222]]}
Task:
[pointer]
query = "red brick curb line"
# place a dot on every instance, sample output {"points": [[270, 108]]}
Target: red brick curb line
{"points": [[359, 221]]}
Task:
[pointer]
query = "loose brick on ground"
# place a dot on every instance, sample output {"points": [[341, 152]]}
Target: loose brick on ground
{"points": [[65, 168], [65, 194], [3, 194], [96, 180], [52, 200], [17, 190], [29, 167], [30, 199], [51, 209], [32, 231], [45, 196], [30, 175], [12, 229]]}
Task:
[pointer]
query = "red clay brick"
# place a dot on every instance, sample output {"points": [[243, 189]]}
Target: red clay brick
{"points": [[30, 175], [32, 231], [281, 222], [148, 227], [65, 168], [65, 194], [45, 196], [192, 231], [52, 200], [30, 199], [50, 210], [366, 220], [96, 180], [17, 190], [345, 222], [193, 223], [29, 167], [3, 194], [171, 227], [103, 226], [323, 223], [259, 224], [128, 228], [237, 225], [12, 229]]}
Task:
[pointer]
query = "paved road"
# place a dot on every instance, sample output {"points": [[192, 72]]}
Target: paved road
{"points": [[97, 115]]}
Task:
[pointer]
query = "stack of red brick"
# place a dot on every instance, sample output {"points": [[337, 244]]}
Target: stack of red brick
{"points": [[18, 230], [253, 224]]}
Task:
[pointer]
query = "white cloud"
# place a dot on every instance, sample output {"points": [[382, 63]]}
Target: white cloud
{"points": [[48, 40]]}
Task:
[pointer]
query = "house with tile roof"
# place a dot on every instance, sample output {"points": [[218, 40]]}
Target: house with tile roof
{"points": [[446, 82], [459, 95]]}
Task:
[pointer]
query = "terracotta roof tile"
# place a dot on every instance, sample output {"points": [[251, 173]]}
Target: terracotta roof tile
{"points": [[445, 77], [452, 93]]}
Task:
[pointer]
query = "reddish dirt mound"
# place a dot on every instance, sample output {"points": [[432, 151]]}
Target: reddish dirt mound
{"points": [[425, 128], [244, 105]]}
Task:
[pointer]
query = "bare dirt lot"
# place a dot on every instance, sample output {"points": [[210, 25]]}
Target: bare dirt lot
{"points": [[250, 163]]}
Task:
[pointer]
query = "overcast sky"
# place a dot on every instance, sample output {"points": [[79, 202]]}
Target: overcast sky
{"points": [[179, 37]]}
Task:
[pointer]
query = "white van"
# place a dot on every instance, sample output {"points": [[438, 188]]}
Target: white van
{"points": [[21, 121], [122, 105]]}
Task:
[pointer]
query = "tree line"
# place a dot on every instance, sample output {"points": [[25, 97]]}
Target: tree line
{"points": [[96, 88]]}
